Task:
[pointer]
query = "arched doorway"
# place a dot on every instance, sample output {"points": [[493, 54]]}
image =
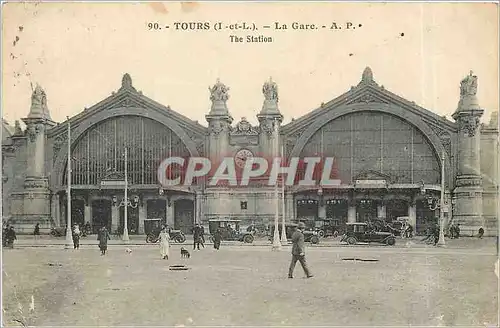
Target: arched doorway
{"points": [[156, 214], [366, 210], [132, 219], [101, 214], [184, 215]]}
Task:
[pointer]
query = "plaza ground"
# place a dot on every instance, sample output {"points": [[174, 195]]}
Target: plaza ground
{"points": [[248, 286]]}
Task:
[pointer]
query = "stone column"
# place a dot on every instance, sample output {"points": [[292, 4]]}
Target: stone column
{"points": [[289, 207], [142, 215], [56, 210], [87, 214], [469, 187], [115, 218], [170, 213], [351, 212], [412, 214], [321, 210], [382, 211]]}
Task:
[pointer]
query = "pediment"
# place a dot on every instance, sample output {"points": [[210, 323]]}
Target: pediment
{"points": [[372, 175], [370, 92]]}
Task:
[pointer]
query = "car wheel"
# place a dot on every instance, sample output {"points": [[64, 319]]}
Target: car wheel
{"points": [[180, 239], [248, 239], [321, 233], [351, 241], [391, 241], [314, 240]]}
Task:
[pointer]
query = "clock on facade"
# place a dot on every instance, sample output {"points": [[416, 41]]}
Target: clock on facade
{"points": [[241, 157]]}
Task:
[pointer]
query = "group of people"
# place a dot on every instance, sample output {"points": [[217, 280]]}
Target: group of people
{"points": [[454, 230], [9, 235]]}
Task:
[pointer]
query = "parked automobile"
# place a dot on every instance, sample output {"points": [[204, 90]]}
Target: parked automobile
{"points": [[328, 228], [175, 235], [58, 231], [230, 230], [309, 235], [362, 232]]}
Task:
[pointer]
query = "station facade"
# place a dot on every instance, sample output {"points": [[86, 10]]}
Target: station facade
{"points": [[389, 153]]}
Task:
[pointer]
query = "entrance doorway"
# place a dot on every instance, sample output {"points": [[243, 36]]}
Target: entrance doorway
{"points": [[77, 213], [101, 214], [396, 208], [184, 215], [425, 217], [307, 209], [366, 210], [156, 215], [336, 209], [132, 220]]}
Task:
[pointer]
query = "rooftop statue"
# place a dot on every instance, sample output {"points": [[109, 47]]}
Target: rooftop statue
{"points": [[39, 98], [270, 90], [468, 86], [219, 92]]}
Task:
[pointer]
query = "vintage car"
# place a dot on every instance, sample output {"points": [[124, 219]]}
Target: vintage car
{"points": [[328, 228], [364, 233], [309, 235], [230, 230]]}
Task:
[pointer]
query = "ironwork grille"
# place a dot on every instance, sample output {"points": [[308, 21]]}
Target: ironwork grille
{"points": [[100, 151], [374, 141]]}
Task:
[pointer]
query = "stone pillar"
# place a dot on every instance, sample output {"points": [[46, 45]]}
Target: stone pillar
{"points": [[270, 120], [198, 206], [412, 214], [115, 218], [56, 210], [468, 186], [351, 212], [289, 207], [382, 211], [170, 213], [87, 215], [143, 210], [321, 210]]}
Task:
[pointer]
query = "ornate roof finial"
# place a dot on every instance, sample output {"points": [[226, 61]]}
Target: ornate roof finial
{"points": [[468, 86], [367, 76], [39, 107], [219, 92], [270, 90], [127, 82]]}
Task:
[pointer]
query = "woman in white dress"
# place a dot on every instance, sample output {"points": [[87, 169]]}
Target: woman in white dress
{"points": [[164, 238]]}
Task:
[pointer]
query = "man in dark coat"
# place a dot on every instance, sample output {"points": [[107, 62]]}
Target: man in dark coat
{"points": [[217, 238], [298, 251], [103, 237], [36, 232], [11, 236]]}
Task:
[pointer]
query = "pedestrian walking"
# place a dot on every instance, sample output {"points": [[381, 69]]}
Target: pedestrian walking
{"points": [[164, 243], [481, 233], [103, 237], [197, 237], [76, 237], [298, 251], [36, 231], [217, 238], [10, 236]]}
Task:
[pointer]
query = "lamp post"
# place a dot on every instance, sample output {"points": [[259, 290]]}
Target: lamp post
{"points": [[125, 236], [441, 241], [69, 235], [276, 234], [284, 240]]}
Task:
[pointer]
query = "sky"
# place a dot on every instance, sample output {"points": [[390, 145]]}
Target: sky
{"points": [[78, 52]]}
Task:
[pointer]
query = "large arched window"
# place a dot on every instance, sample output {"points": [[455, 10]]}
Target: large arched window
{"points": [[374, 141], [99, 152]]}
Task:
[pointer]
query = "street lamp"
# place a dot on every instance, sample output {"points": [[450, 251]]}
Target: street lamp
{"points": [[126, 203]]}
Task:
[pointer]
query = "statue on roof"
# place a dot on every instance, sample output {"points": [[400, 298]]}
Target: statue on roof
{"points": [[39, 98], [468, 86], [219, 92], [270, 90]]}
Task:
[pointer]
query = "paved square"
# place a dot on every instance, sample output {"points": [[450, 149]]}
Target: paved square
{"points": [[248, 286]]}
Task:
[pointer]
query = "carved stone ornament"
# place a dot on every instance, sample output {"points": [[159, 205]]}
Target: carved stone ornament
{"points": [[469, 125], [39, 98], [217, 127], [292, 139], [219, 92], [270, 90], [267, 127], [198, 140], [244, 128], [58, 142], [32, 130], [445, 138], [468, 86], [17, 128]]}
